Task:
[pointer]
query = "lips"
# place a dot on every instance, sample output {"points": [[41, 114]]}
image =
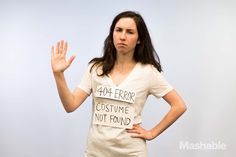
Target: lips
{"points": [[121, 44]]}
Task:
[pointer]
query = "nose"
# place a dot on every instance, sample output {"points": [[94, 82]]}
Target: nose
{"points": [[123, 35]]}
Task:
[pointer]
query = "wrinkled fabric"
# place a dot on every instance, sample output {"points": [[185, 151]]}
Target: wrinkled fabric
{"points": [[107, 141]]}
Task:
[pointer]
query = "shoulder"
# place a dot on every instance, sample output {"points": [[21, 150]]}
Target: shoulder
{"points": [[95, 68], [148, 69]]}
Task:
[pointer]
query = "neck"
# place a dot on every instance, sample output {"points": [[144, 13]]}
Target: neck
{"points": [[124, 59], [124, 64]]}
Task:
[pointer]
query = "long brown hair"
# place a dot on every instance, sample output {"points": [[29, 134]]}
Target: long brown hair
{"points": [[144, 52]]}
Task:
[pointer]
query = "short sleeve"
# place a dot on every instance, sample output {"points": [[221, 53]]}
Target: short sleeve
{"points": [[158, 84], [85, 83]]}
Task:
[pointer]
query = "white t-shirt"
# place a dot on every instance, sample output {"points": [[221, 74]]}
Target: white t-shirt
{"points": [[117, 107]]}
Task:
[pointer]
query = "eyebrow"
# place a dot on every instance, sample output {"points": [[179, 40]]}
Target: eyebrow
{"points": [[129, 29]]}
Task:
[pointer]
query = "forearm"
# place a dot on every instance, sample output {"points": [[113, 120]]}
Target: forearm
{"points": [[177, 109], [64, 92], [174, 113]]}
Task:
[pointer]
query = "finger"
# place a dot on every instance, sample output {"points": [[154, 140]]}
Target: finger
{"points": [[133, 131], [61, 46], [57, 48], [137, 125], [71, 59], [133, 127], [137, 136], [52, 51], [65, 48]]}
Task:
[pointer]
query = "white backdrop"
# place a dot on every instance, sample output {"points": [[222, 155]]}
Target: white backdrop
{"points": [[196, 41]]}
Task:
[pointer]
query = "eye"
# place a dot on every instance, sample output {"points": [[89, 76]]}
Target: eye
{"points": [[130, 32], [118, 30]]}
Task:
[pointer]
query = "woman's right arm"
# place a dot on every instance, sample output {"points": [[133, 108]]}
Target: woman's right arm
{"points": [[70, 101]]}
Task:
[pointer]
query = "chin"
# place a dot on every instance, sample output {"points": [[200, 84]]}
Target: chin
{"points": [[122, 52]]}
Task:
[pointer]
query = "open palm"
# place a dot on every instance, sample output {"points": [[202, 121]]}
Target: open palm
{"points": [[58, 57]]}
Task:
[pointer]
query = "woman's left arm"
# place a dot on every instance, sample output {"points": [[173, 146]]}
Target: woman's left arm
{"points": [[177, 109]]}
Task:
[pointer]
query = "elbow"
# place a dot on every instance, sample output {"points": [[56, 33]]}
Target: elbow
{"points": [[183, 108], [69, 110], [69, 106], [180, 108]]}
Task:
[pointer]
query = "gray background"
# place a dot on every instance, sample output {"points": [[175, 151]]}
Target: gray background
{"points": [[196, 41]]}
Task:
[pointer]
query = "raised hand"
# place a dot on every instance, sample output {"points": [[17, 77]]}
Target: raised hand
{"points": [[58, 58]]}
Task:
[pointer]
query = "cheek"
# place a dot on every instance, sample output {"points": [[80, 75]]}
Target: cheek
{"points": [[114, 37], [134, 41], [134, 38]]}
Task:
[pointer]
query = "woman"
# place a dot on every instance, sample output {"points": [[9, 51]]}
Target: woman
{"points": [[120, 82]]}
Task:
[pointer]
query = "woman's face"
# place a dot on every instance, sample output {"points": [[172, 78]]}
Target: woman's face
{"points": [[125, 36]]}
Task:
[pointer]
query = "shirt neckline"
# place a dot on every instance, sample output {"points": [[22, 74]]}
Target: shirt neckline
{"points": [[126, 78]]}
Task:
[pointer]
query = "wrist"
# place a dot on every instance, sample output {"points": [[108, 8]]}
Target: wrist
{"points": [[58, 74], [154, 133]]}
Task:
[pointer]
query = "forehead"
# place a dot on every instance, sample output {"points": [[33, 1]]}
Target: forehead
{"points": [[126, 23]]}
